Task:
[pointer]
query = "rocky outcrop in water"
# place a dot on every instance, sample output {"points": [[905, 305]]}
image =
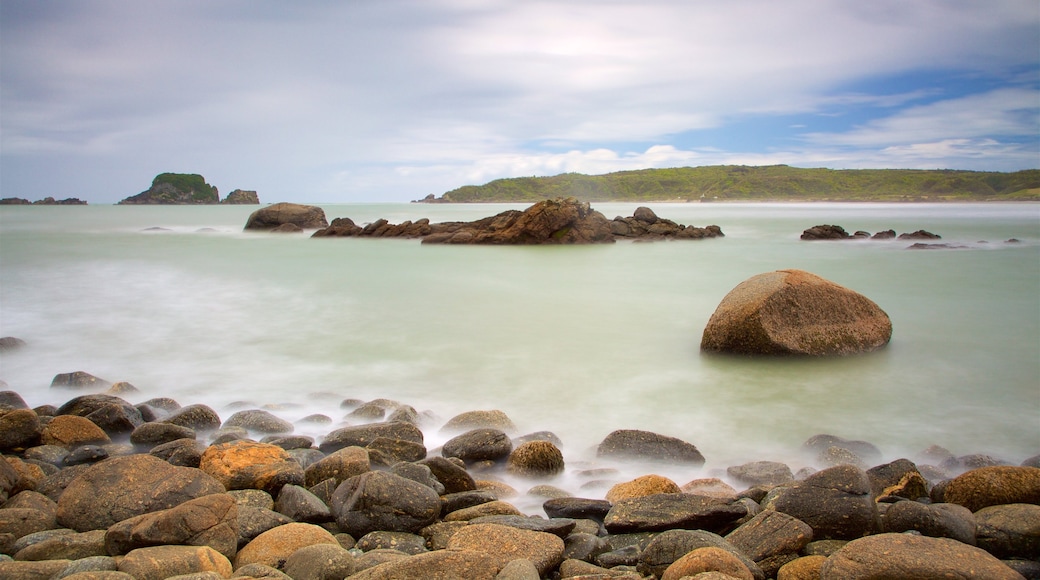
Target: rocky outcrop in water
{"points": [[557, 221], [44, 201], [242, 197], [793, 312], [280, 214], [285, 507], [176, 189], [833, 232]]}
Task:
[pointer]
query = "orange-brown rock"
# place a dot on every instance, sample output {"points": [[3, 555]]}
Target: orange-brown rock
{"points": [[708, 560], [159, 562], [793, 312], [995, 485], [274, 546], [641, 487], [70, 431], [506, 543], [244, 464]]}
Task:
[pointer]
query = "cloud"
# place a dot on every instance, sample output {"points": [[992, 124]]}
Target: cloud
{"points": [[386, 99]]}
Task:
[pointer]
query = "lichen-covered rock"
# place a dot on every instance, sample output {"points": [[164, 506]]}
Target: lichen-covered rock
{"points": [[507, 544], [793, 312], [246, 464], [667, 511], [70, 431], [19, 428], [642, 486], [378, 500], [761, 473], [835, 502], [439, 565], [159, 562], [771, 533], [273, 547], [272, 216], [535, 459], [1010, 530], [123, 487], [210, 520], [996, 485], [339, 465], [320, 562], [707, 560], [910, 556], [665, 548]]}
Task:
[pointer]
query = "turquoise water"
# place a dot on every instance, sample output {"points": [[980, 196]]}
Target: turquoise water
{"points": [[576, 340]]}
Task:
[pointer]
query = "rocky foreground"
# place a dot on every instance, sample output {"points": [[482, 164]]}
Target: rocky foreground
{"points": [[101, 489]]}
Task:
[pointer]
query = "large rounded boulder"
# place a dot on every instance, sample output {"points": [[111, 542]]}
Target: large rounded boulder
{"points": [[272, 216], [793, 312]]}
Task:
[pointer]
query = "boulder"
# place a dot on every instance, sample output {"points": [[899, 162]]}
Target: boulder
{"points": [[551, 221], [180, 452], [79, 380], [301, 505], [820, 444], [259, 421], [707, 560], [273, 547], [910, 556], [439, 565], [246, 464], [642, 486], [65, 547], [769, 534], [210, 520], [19, 428], [150, 435], [113, 414], [242, 197], [577, 508], [937, 520], [452, 476], [835, 502], [535, 459], [491, 508], [22, 521], [636, 445], [339, 465], [119, 488], [272, 216], [200, 418], [464, 499], [161, 562], [665, 548], [469, 420], [793, 312], [898, 479], [995, 485], [761, 473], [919, 235], [320, 562], [1010, 530], [8, 343], [507, 544], [825, 232], [253, 521], [485, 444], [378, 500], [363, 435], [666, 511], [70, 431]]}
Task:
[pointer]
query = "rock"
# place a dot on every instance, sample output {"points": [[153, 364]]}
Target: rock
{"points": [[249, 465], [452, 476], [392, 451], [200, 418], [437, 534], [32, 570], [551, 221], [668, 511], [561, 527], [9, 343], [79, 380], [161, 562], [122, 487], [10, 400], [261, 571], [793, 312], [919, 235], [339, 465], [253, 521], [493, 419], [273, 547], [410, 544], [641, 487], [70, 431], [259, 421], [272, 216], [884, 235], [19, 428], [363, 435], [210, 520], [485, 444], [535, 459], [420, 474], [85, 454], [822, 443], [66, 547], [577, 508], [996, 485], [707, 560], [180, 452], [939, 520], [381, 501], [769, 534], [898, 479], [910, 556], [521, 569], [805, 568], [825, 232], [491, 508], [93, 568], [113, 414], [506, 544], [635, 445], [1010, 530], [464, 499], [835, 502], [665, 548], [320, 562], [150, 435], [761, 473], [439, 565], [301, 505], [242, 197], [20, 522]]}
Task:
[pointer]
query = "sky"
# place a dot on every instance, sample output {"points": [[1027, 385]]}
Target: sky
{"points": [[391, 100]]}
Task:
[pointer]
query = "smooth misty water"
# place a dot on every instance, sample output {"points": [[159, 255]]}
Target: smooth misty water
{"points": [[576, 340]]}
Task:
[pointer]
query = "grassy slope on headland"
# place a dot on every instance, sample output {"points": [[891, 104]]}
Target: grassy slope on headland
{"points": [[770, 183]]}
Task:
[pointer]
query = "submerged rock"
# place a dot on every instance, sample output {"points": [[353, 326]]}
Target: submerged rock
{"points": [[793, 312], [272, 216]]}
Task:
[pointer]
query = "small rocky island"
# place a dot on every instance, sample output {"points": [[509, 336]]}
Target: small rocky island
{"points": [[187, 189], [552, 221], [45, 201]]}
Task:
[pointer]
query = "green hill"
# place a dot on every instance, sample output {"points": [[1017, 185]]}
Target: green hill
{"points": [[770, 183]]}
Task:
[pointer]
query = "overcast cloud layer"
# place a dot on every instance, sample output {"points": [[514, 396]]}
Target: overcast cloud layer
{"points": [[392, 100]]}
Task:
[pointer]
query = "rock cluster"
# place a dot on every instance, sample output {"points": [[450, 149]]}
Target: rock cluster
{"points": [[554, 221], [168, 491], [793, 312], [833, 232], [44, 201]]}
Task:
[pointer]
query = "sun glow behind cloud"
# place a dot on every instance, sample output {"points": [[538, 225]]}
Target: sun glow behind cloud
{"points": [[398, 99]]}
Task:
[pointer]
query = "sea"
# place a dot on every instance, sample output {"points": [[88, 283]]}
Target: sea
{"points": [[180, 302]]}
